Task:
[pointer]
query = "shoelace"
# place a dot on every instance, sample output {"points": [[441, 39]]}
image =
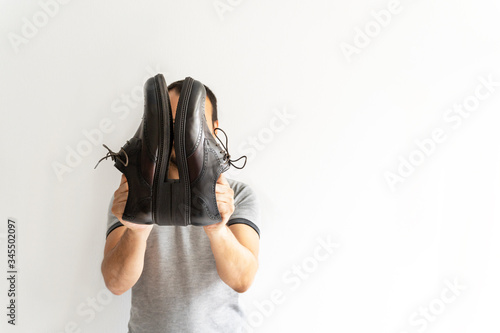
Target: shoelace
{"points": [[226, 151], [114, 156]]}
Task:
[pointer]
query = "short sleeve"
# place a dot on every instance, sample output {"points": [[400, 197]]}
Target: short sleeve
{"points": [[246, 206], [113, 221]]}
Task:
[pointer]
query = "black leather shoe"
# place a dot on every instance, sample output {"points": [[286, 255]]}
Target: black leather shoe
{"points": [[200, 161], [152, 197], [144, 158]]}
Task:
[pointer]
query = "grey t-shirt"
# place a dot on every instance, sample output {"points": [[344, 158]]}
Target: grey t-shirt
{"points": [[179, 289]]}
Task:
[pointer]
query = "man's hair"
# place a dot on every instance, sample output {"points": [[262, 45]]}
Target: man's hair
{"points": [[177, 86]]}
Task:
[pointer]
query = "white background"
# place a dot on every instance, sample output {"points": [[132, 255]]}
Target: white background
{"points": [[320, 174]]}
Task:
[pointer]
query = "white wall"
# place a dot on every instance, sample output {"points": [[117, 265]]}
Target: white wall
{"points": [[320, 174]]}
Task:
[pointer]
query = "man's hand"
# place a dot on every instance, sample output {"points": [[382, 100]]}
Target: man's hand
{"points": [[125, 247], [224, 195], [119, 202], [235, 248]]}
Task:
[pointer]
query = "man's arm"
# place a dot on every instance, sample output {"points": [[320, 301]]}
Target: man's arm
{"points": [[235, 248], [125, 248]]}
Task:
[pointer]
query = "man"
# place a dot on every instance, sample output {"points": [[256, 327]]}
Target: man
{"points": [[185, 279]]}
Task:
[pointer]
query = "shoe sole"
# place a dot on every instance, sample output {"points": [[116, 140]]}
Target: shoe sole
{"points": [[180, 148], [164, 148]]}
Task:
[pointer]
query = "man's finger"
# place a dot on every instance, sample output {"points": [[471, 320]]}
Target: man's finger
{"points": [[123, 186], [123, 180], [225, 196], [222, 180], [223, 208], [224, 199], [121, 192], [121, 197], [221, 188]]}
